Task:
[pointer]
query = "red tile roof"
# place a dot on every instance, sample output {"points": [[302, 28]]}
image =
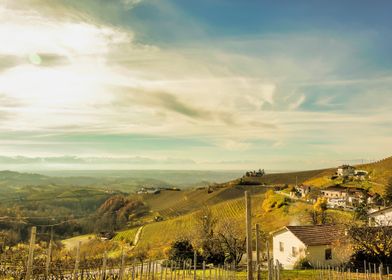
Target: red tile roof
{"points": [[316, 235]]}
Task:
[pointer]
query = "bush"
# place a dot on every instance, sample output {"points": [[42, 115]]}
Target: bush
{"points": [[303, 263], [181, 250], [273, 200]]}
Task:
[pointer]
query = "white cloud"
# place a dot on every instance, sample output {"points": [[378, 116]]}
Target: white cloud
{"points": [[296, 104], [205, 91]]}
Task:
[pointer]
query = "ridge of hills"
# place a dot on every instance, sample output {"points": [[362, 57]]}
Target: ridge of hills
{"points": [[178, 209]]}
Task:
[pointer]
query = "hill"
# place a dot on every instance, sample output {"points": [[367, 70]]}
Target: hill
{"points": [[287, 178], [380, 171]]}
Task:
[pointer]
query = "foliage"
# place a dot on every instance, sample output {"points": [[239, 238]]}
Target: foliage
{"points": [[319, 212], [210, 247], [232, 237], [115, 212], [272, 200], [373, 242], [388, 192], [361, 211], [181, 250], [303, 263]]}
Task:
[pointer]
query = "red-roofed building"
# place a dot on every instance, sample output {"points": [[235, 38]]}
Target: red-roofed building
{"points": [[292, 243]]}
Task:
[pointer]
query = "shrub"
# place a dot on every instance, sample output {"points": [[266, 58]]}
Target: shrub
{"points": [[273, 200], [303, 263]]}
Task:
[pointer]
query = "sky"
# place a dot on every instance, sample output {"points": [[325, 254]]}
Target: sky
{"points": [[206, 84]]}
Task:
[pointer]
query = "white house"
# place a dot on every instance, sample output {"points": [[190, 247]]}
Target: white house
{"points": [[349, 195], [292, 243], [345, 171], [381, 217]]}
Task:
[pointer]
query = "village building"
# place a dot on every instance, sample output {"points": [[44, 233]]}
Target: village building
{"points": [[345, 171], [146, 190], [303, 190], [382, 217], [293, 243], [342, 196]]}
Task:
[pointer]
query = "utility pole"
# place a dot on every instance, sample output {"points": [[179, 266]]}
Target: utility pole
{"points": [[249, 236], [77, 262], [49, 255], [29, 271], [258, 251]]}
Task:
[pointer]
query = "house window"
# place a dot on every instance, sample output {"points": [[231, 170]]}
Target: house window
{"points": [[281, 246], [294, 251], [328, 254]]}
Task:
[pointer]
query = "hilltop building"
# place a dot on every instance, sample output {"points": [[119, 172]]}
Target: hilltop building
{"points": [[293, 243], [146, 190], [345, 171]]}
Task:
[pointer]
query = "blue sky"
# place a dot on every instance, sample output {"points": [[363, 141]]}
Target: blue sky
{"points": [[216, 84]]}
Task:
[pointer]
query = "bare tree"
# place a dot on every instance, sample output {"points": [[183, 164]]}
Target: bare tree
{"points": [[231, 235]]}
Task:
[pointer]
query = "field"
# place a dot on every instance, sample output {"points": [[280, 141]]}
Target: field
{"points": [[72, 243], [157, 236], [126, 235]]}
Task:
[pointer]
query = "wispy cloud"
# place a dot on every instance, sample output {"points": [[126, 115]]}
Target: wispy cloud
{"points": [[69, 67]]}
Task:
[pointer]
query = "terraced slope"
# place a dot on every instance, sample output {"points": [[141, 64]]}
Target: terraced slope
{"points": [[170, 204]]}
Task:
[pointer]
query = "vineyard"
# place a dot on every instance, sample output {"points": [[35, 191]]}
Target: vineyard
{"points": [[126, 235], [184, 226]]}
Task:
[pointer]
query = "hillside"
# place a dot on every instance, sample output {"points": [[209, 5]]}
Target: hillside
{"points": [[288, 178], [157, 236], [379, 174], [380, 171]]}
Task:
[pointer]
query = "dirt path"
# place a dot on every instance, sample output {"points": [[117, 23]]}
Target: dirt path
{"points": [[137, 236]]}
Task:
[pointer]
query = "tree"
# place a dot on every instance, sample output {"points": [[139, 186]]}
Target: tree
{"points": [[372, 243], [141, 253], [318, 213], [211, 249], [361, 211], [181, 250], [231, 235], [388, 192]]}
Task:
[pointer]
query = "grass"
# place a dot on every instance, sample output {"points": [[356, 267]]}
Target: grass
{"points": [[126, 235], [72, 243], [284, 275], [158, 236]]}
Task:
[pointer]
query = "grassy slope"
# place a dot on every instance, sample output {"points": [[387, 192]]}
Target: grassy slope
{"points": [[380, 172], [291, 177], [158, 236], [72, 243], [179, 209], [171, 204]]}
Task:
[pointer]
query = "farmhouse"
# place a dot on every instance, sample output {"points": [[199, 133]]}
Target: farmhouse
{"points": [[293, 243], [344, 195], [146, 190], [381, 217]]}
